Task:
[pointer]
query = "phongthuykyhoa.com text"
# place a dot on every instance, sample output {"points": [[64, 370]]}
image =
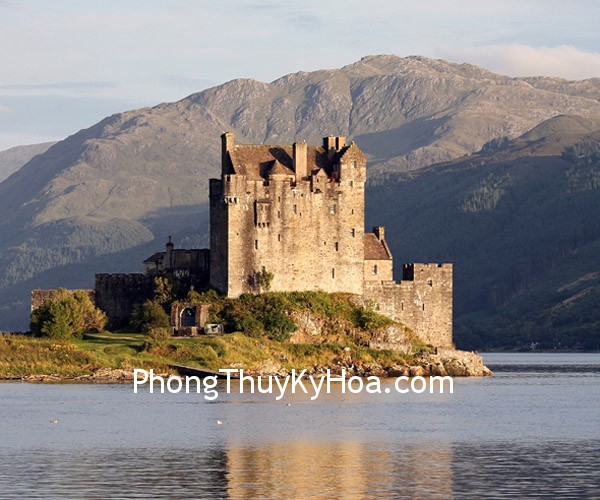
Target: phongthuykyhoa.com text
{"points": [[294, 383]]}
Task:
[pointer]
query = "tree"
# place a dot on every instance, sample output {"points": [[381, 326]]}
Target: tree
{"points": [[151, 315], [67, 315]]}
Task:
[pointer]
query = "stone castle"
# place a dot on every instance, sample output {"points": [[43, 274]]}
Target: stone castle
{"points": [[296, 212]]}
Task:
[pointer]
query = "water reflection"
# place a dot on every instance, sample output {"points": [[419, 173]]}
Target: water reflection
{"points": [[345, 470], [309, 470]]}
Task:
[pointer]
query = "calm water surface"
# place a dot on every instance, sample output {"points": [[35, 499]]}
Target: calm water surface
{"points": [[532, 430]]}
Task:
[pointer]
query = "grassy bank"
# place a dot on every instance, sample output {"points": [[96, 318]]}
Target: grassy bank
{"points": [[274, 331], [23, 355]]}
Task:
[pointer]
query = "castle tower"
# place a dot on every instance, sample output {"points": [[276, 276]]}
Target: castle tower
{"points": [[296, 211]]}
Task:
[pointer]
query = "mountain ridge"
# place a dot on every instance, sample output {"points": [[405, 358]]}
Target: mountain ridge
{"points": [[127, 180]]}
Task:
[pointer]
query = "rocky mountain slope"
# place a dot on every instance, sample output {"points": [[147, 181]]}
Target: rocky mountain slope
{"points": [[13, 159], [104, 197]]}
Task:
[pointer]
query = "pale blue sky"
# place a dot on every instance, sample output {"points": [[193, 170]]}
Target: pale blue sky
{"points": [[68, 63]]}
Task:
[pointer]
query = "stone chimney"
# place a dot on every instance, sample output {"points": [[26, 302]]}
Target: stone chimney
{"points": [[329, 145], [300, 162], [379, 232], [226, 147]]}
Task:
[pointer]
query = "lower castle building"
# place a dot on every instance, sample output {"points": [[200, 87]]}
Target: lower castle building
{"points": [[297, 213]]}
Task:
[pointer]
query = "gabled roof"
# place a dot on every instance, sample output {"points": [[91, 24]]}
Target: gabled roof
{"points": [[277, 168], [375, 249], [156, 257], [256, 161]]}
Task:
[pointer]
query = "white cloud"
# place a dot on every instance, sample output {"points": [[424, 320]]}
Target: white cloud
{"points": [[564, 61]]}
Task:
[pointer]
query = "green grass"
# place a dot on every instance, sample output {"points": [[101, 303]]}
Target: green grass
{"points": [[22, 355]]}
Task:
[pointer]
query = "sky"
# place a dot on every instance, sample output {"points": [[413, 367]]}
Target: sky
{"points": [[66, 64]]}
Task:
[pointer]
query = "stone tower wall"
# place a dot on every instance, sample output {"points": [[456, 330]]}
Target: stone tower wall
{"points": [[422, 301], [307, 232]]}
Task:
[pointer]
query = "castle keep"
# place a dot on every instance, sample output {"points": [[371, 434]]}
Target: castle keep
{"points": [[297, 213]]}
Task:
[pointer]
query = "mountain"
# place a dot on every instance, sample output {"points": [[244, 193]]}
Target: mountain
{"points": [[521, 222], [104, 197], [13, 159]]}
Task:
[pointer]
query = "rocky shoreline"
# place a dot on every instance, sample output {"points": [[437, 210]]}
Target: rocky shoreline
{"points": [[445, 362]]}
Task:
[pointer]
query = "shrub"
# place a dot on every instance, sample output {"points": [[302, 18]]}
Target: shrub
{"points": [[67, 315], [151, 315], [369, 320], [258, 315], [158, 338]]}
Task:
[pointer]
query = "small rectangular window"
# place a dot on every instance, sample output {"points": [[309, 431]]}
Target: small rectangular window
{"points": [[333, 209], [295, 209], [278, 237], [337, 246], [353, 232], [351, 183], [375, 269], [333, 272], [255, 244]]}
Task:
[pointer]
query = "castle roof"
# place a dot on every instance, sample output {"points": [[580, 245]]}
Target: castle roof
{"points": [[276, 168], [257, 161], [375, 249], [156, 257]]}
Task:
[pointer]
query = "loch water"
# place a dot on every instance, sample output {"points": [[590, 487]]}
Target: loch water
{"points": [[532, 430]]}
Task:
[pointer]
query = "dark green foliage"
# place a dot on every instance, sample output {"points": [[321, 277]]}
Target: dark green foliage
{"points": [[369, 320], [257, 315], [583, 153], [67, 316], [262, 280], [496, 144], [151, 315]]}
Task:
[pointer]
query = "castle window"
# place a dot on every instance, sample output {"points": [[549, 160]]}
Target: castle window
{"points": [[351, 183], [353, 232], [279, 214], [430, 282], [375, 269], [333, 272], [278, 237], [279, 198], [332, 209], [337, 246], [255, 244], [352, 211], [402, 306], [423, 307], [295, 209], [353, 164]]}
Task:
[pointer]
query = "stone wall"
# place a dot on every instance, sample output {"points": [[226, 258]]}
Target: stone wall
{"points": [[422, 301], [118, 294], [308, 232]]}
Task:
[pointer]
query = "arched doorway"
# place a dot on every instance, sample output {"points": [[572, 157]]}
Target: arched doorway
{"points": [[188, 317]]}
